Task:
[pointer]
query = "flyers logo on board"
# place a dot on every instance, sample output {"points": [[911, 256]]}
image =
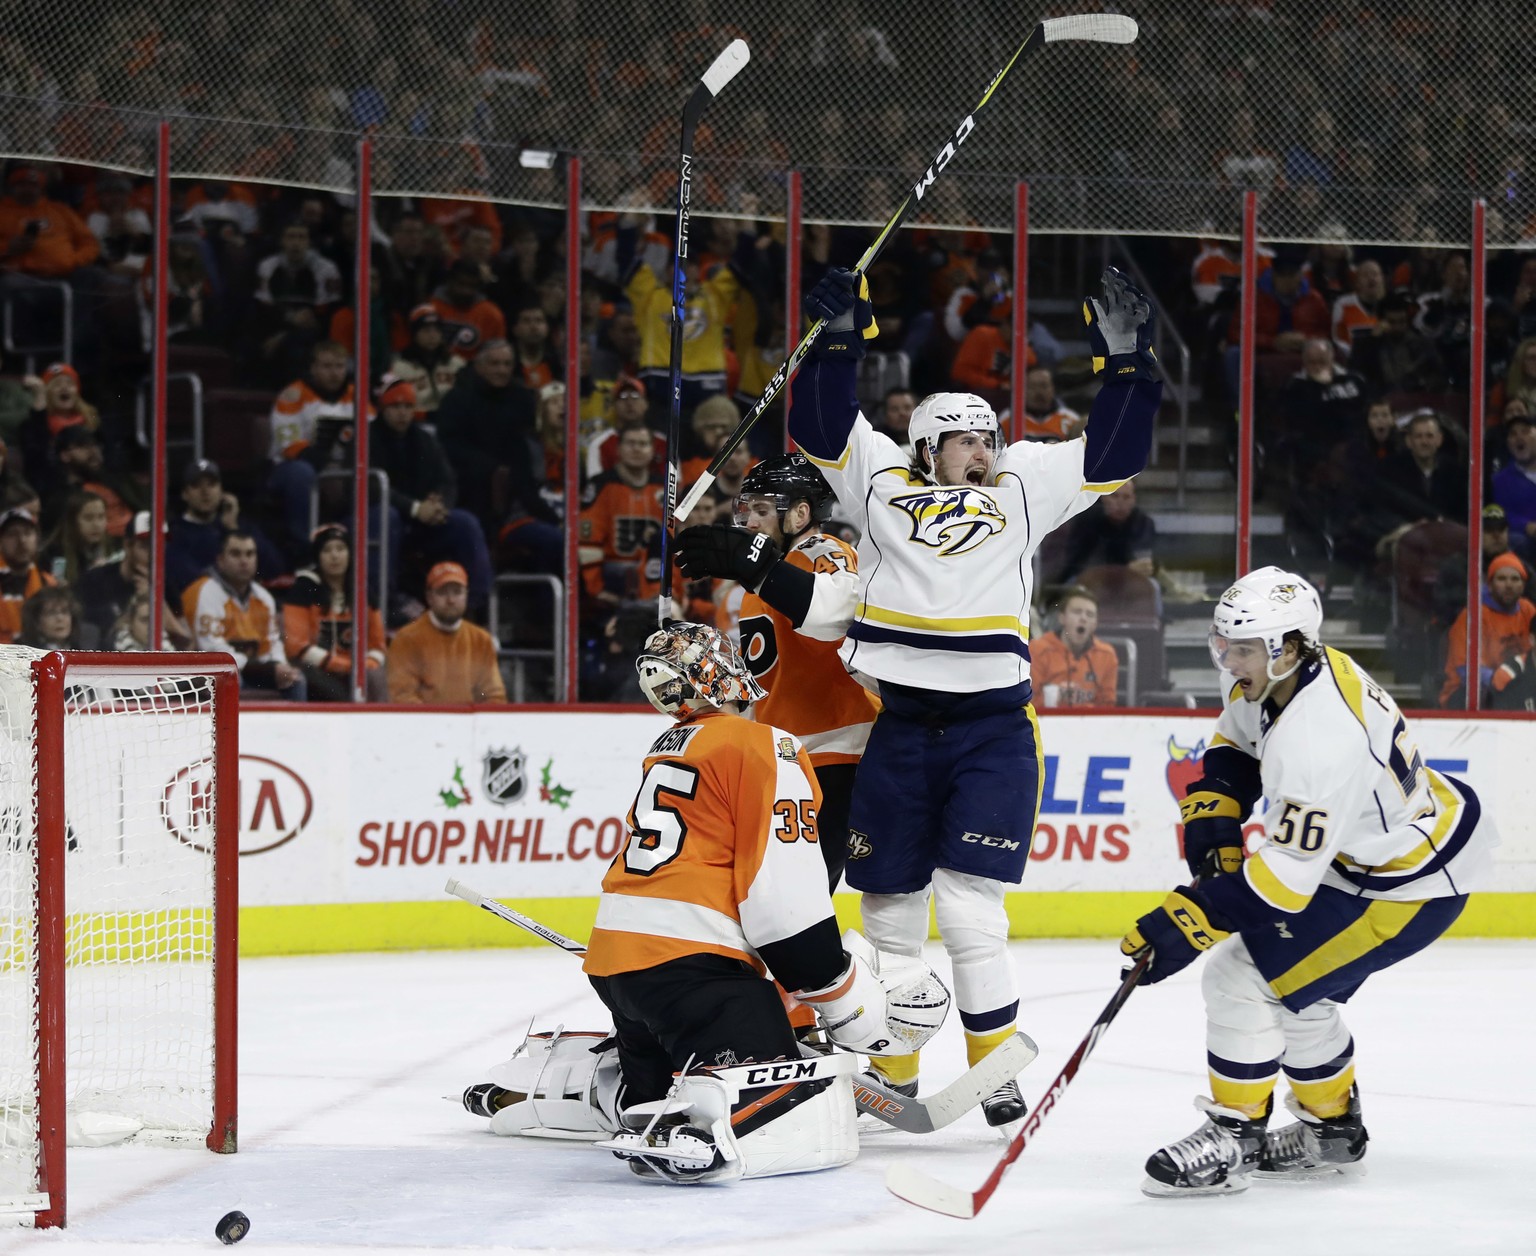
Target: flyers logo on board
{"points": [[1184, 767]]}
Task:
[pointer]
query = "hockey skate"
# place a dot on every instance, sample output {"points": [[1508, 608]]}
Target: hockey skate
{"points": [[1314, 1146], [1005, 1109], [1217, 1158], [487, 1099]]}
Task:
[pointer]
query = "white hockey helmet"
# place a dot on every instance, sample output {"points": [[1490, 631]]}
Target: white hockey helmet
{"points": [[1265, 605], [939, 414], [684, 666]]}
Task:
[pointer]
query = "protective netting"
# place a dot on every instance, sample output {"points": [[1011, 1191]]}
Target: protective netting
{"points": [[1369, 123], [139, 803]]}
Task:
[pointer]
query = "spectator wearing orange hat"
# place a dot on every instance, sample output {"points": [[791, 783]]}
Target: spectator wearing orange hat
{"points": [[423, 520], [441, 658], [1505, 630], [426, 362], [56, 404]]}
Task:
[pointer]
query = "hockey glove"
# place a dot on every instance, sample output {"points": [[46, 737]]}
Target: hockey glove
{"points": [[1120, 329], [1213, 834], [852, 1011], [725, 553], [842, 299], [1178, 931]]}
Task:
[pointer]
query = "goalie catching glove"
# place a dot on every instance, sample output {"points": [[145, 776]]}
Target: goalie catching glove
{"points": [[1179, 931], [842, 299], [1120, 330], [882, 1004]]}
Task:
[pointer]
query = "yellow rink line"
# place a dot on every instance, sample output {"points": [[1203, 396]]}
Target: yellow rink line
{"points": [[452, 925]]}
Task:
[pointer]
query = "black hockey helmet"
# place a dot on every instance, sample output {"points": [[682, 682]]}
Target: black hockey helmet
{"points": [[789, 478]]}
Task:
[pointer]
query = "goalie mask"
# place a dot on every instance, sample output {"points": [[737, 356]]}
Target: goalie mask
{"points": [[685, 667], [942, 414], [1265, 605]]}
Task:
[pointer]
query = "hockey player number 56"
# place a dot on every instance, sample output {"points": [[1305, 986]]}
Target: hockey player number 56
{"points": [[659, 830], [1306, 830]]}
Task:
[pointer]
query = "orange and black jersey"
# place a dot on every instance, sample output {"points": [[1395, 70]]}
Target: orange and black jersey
{"points": [[621, 523], [791, 648], [721, 858]]}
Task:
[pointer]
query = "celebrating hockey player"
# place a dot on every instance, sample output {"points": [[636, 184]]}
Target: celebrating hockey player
{"points": [[1368, 857], [720, 877], [947, 791], [801, 587]]}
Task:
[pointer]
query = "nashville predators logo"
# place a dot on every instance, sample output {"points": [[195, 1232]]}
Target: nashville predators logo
{"points": [[952, 520], [1283, 593]]}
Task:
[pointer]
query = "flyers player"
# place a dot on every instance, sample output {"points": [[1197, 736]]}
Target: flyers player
{"points": [[801, 587], [719, 879]]}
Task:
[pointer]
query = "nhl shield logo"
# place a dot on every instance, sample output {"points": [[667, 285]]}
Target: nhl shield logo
{"points": [[951, 520], [505, 776]]}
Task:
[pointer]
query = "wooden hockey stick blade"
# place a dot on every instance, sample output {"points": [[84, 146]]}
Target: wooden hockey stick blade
{"points": [[474, 898], [922, 1116], [1104, 28]]}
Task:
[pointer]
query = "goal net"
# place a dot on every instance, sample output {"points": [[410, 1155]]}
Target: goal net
{"points": [[119, 836]]}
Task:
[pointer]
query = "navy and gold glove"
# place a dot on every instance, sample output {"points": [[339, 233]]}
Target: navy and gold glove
{"points": [[1213, 834], [1179, 931], [1120, 330], [842, 299], [726, 553]]}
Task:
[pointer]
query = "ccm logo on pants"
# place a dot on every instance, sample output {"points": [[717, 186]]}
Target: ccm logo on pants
{"points": [[986, 839]]}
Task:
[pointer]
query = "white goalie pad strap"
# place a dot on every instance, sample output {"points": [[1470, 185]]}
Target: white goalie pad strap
{"points": [[571, 1091]]}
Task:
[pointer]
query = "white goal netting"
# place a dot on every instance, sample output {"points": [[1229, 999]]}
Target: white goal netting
{"points": [[139, 882]]}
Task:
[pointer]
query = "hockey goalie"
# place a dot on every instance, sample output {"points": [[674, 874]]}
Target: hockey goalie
{"points": [[720, 885]]}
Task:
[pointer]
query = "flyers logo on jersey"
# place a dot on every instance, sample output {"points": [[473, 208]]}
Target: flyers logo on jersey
{"points": [[951, 520]]}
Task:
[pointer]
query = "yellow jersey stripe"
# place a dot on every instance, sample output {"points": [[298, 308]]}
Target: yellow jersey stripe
{"points": [[975, 623], [1382, 921], [1107, 487], [1034, 724], [1349, 683], [840, 465], [1267, 885], [1450, 811]]}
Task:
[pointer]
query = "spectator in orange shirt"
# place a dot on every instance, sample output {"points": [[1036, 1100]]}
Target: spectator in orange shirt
{"points": [[319, 629], [82, 468], [1505, 631], [1070, 666], [453, 217], [469, 320], [1355, 314], [441, 658], [536, 364], [39, 237], [1045, 418], [56, 403], [20, 577], [231, 613], [984, 363]]}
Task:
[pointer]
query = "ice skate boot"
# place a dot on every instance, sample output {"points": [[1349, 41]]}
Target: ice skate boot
{"points": [[1217, 1158], [487, 1099], [1314, 1146], [1005, 1109]]}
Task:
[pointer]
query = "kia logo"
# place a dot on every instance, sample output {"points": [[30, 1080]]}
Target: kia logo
{"points": [[275, 804]]}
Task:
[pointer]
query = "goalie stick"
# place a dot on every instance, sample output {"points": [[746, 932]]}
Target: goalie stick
{"points": [[1101, 28], [914, 1115], [916, 1187], [721, 71]]}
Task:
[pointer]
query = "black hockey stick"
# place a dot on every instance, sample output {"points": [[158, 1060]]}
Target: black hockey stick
{"points": [[905, 1112], [916, 1187], [721, 72], [1102, 28]]}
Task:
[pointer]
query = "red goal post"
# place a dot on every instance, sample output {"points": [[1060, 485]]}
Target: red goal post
{"points": [[119, 832]]}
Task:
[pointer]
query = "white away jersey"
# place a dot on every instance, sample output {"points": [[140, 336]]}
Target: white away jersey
{"points": [[945, 579], [1351, 803]]}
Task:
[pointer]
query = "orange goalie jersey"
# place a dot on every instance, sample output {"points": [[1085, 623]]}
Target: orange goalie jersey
{"points": [[810, 692], [721, 857]]}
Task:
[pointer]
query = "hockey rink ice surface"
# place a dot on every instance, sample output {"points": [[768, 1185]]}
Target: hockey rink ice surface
{"points": [[347, 1142]]}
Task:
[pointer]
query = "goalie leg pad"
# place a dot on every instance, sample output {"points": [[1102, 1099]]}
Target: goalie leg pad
{"points": [[749, 1120], [567, 1088]]}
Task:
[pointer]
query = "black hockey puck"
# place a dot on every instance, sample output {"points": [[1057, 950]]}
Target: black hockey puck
{"points": [[232, 1227]]}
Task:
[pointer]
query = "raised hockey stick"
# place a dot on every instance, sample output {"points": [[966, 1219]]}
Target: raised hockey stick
{"points": [[916, 1187], [916, 1116], [473, 897], [1101, 28], [721, 71]]}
